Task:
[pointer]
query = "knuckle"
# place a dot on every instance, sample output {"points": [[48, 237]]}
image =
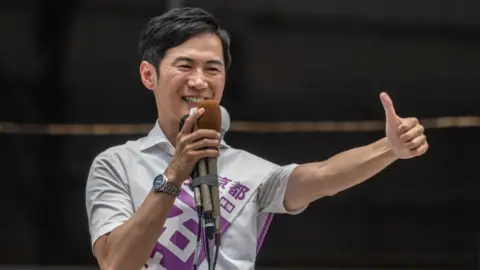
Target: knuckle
{"points": [[203, 142], [190, 156], [182, 139], [180, 143], [405, 137], [412, 144], [211, 152], [195, 134], [214, 153], [191, 118], [204, 133]]}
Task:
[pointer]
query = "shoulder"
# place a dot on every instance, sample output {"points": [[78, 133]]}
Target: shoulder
{"points": [[116, 158], [127, 150], [238, 156]]}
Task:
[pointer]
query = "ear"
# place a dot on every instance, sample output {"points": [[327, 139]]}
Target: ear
{"points": [[148, 75]]}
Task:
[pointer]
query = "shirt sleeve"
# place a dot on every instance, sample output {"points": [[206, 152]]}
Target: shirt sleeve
{"points": [[108, 202], [272, 191]]}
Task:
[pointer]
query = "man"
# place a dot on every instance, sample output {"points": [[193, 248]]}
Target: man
{"points": [[135, 223]]}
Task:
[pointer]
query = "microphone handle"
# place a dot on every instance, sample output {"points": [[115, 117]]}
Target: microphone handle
{"points": [[215, 194], [204, 189], [197, 197]]}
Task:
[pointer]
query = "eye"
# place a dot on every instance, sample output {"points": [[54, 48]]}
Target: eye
{"points": [[213, 70], [184, 67]]}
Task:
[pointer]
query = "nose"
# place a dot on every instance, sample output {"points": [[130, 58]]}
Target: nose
{"points": [[197, 81]]}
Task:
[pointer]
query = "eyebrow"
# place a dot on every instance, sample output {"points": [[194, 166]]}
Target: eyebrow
{"points": [[190, 60]]}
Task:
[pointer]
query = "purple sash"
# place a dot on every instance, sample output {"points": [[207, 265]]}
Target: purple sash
{"points": [[176, 246]]}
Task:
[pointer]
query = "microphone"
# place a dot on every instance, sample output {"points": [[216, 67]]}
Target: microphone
{"points": [[210, 167], [205, 179], [208, 172]]}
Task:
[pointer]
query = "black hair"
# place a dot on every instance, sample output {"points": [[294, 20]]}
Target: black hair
{"points": [[176, 26]]}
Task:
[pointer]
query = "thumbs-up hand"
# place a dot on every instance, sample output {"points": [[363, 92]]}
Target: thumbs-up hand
{"points": [[405, 135]]}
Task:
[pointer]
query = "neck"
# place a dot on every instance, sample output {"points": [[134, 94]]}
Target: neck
{"points": [[170, 130]]}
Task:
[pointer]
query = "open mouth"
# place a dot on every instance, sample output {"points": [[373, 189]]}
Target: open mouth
{"points": [[193, 100]]}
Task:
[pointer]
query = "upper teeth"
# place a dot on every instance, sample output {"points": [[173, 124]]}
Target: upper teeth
{"points": [[193, 99]]}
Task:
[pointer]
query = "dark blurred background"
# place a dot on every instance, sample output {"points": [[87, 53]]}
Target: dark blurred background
{"points": [[75, 62]]}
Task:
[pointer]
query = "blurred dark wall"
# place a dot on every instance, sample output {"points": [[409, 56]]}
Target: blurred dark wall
{"points": [[301, 61]]}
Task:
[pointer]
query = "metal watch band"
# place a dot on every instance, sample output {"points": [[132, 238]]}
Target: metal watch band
{"points": [[161, 184]]}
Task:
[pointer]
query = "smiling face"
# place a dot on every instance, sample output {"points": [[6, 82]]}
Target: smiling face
{"points": [[190, 72]]}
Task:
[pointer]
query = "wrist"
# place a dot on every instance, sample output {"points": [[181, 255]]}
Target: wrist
{"points": [[161, 184], [385, 147], [172, 177]]}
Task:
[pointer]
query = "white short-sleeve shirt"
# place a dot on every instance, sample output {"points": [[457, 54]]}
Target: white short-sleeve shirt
{"points": [[252, 190]]}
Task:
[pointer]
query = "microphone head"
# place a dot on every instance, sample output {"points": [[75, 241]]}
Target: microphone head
{"points": [[212, 117], [225, 121]]}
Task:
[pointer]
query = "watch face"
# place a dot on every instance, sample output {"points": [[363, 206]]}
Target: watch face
{"points": [[158, 181], [161, 184]]}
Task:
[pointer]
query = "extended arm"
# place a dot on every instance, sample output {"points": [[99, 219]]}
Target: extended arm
{"points": [[309, 182]]}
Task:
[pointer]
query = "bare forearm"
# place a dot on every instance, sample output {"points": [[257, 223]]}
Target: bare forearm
{"points": [[352, 167], [315, 180], [130, 245]]}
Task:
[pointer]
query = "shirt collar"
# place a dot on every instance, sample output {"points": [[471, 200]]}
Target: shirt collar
{"points": [[157, 137]]}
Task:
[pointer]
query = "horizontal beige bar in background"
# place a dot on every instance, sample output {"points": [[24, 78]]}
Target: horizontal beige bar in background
{"points": [[236, 126]]}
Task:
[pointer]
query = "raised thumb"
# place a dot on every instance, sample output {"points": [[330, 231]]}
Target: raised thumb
{"points": [[390, 114]]}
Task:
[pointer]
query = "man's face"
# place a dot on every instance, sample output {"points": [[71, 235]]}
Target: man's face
{"points": [[189, 73]]}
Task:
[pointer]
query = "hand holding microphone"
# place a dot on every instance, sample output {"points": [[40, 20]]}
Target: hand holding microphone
{"points": [[191, 146]]}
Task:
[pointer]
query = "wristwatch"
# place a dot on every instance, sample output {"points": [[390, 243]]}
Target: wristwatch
{"points": [[161, 184]]}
